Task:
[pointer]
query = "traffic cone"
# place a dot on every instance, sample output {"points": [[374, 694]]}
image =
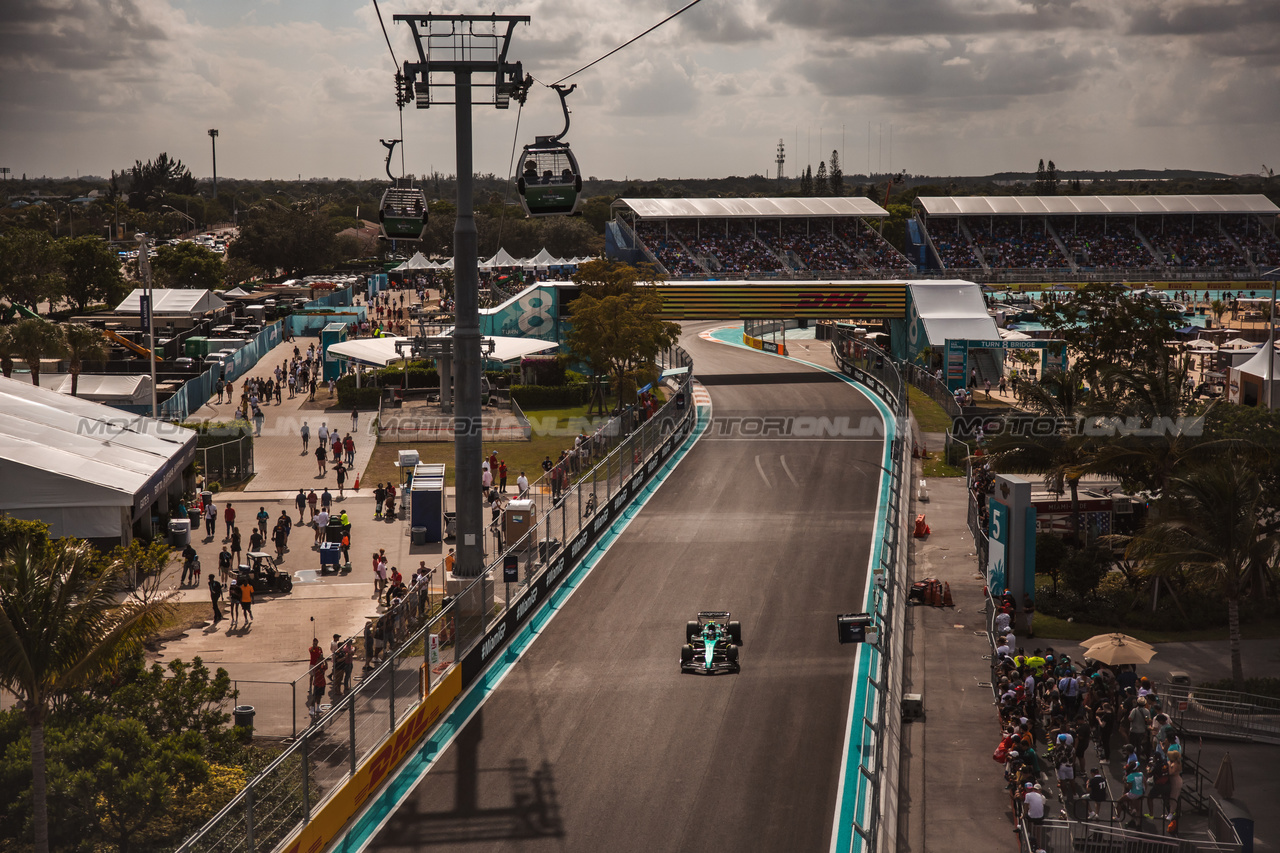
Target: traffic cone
{"points": [[357, 487], [947, 600], [935, 596], [922, 529]]}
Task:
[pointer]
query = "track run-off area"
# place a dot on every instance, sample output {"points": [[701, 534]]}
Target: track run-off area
{"points": [[586, 736]]}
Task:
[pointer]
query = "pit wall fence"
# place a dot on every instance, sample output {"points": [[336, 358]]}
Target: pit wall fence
{"points": [[303, 800], [875, 738]]}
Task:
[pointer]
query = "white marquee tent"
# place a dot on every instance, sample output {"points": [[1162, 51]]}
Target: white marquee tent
{"points": [[1248, 381], [173, 302], [85, 469]]}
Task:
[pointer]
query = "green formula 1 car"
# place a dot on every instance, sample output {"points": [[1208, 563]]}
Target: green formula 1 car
{"points": [[711, 644]]}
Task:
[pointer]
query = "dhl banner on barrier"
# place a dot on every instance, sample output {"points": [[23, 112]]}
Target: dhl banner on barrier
{"points": [[821, 300], [333, 816]]}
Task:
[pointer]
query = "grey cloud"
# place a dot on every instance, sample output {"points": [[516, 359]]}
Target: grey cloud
{"points": [[722, 22], [1194, 19], [865, 19], [990, 79], [80, 35]]}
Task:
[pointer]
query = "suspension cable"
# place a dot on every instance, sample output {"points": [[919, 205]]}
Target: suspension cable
{"points": [[510, 172], [685, 8]]}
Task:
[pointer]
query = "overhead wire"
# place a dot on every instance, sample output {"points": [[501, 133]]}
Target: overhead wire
{"points": [[396, 62], [679, 11]]}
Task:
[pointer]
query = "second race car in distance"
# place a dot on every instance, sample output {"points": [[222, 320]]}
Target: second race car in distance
{"points": [[711, 643]]}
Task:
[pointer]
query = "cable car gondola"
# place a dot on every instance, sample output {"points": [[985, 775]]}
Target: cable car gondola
{"points": [[402, 214], [551, 182]]}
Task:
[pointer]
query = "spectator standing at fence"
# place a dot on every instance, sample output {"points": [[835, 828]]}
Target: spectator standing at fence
{"points": [[316, 699], [522, 486]]}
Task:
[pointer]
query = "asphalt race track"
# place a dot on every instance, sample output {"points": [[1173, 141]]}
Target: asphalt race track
{"points": [[595, 741]]}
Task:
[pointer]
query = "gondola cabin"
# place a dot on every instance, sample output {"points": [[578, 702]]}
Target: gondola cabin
{"points": [[403, 213], [550, 183]]}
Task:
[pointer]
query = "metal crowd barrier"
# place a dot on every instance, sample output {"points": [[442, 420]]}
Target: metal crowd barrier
{"points": [[880, 733]]}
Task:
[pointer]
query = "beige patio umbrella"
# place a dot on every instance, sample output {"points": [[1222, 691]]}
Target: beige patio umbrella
{"points": [[1119, 652], [1115, 637]]}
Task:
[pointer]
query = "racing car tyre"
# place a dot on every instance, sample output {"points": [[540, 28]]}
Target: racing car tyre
{"points": [[686, 655], [691, 630], [735, 633], [731, 654]]}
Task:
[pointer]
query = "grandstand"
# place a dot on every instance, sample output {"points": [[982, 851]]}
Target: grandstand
{"points": [[755, 238], [1099, 237]]}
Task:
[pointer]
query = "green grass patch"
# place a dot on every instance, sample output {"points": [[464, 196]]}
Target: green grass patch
{"points": [[936, 466], [520, 456], [1052, 628], [929, 415]]}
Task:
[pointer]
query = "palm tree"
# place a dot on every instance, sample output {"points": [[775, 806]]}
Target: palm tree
{"points": [[83, 343], [1209, 527], [1062, 456], [62, 623], [33, 340]]}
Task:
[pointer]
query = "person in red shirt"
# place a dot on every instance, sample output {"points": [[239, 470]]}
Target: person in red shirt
{"points": [[229, 514], [317, 653], [502, 476]]}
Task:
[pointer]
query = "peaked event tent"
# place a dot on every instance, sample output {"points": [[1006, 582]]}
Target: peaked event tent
{"points": [[417, 262], [1248, 380], [173, 302]]}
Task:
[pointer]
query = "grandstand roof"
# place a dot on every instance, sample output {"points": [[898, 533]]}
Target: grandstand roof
{"points": [[1058, 205], [750, 208]]}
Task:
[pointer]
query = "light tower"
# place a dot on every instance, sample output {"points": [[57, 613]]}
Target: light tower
{"points": [[213, 140], [781, 158], [461, 46]]}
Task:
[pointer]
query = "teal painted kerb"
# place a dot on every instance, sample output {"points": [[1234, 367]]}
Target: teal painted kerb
{"points": [[421, 759], [855, 790]]}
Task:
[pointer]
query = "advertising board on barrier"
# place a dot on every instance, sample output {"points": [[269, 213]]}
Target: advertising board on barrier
{"points": [[328, 821]]}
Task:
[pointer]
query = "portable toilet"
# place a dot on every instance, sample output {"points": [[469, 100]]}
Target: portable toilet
{"points": [[334, 333], [426, 503], [518, 519], [196, 346]]}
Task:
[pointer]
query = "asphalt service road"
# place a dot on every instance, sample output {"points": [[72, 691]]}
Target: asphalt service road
{"points": [[595, 740]]}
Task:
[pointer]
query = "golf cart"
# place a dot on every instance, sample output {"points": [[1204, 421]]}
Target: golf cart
{"points": [[265, 575]]}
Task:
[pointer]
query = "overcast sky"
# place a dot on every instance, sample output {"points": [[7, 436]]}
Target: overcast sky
{"points": [[969, 87]]}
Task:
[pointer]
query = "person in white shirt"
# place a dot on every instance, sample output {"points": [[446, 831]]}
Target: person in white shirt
{"points": [[321, 522], [522, 485]]}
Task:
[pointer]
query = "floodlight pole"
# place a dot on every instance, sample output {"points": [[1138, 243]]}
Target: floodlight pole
{"points": [[144, 267]]}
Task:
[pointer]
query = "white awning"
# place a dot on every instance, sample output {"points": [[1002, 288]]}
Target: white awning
{"points": [[379, 352], [501, 259], [952, 310], [1059, 205], [417, 262], [750, 208]]}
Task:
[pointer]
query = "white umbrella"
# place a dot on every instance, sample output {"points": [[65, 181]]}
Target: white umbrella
{"points": [[1120, 653], [1113, 637]]}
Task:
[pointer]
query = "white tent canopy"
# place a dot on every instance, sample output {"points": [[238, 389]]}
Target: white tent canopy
{"points": [[544, 259], [417, 262], [501, 259], [181, 302], [106, 388], [235, 291], [1248, 380], [86, 469], [952, 310], [380, 352]]}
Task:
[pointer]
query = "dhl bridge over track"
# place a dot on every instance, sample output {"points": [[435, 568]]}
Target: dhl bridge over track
{"points": [[813, 300]]}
